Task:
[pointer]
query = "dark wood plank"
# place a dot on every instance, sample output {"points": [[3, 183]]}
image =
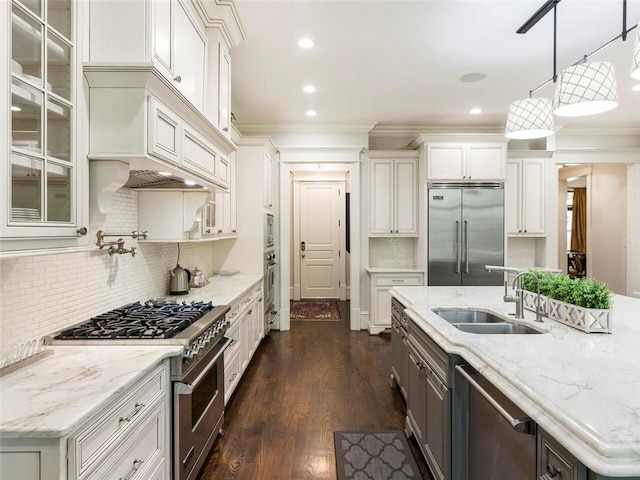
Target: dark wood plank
{"points": [[300, 387]]}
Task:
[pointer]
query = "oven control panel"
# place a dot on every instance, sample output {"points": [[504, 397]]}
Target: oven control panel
{"points": [[206, 340]]}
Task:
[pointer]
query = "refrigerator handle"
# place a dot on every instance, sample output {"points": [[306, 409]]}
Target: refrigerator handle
{"points": [[457, 246], [466, 246]]}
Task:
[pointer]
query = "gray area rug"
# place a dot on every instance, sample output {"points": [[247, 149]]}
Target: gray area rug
{"points": [[374, 456]]}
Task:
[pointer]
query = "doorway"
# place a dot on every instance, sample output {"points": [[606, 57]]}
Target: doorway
{"points": [[318, 254], [600, 251], [318, 226]]}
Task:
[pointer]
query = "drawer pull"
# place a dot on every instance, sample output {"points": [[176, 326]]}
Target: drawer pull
{"points": [[233, 342], [397, 280], [553, 472], [132, 472], [138, 407]]}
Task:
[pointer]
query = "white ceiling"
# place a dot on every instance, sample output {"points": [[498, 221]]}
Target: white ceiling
{"points": [[398, 63]]}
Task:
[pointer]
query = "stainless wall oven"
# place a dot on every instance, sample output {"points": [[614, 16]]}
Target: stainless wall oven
{"points": [[270, 275]]}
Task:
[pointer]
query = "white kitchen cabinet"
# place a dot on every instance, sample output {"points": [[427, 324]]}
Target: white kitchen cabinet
{"points": [[393, 192], [171, 216], [246, 332], [268, 181], [128, 437], [452, 161], [164, 132], [380, 298], [43, 161], [525, 197], [168, 34], [224, 88]]}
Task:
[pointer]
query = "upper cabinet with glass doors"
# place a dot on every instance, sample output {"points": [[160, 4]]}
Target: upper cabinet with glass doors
{"points": [[42, 190]]}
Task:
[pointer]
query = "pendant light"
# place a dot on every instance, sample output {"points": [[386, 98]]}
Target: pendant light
{"points": [[529, 118], [635, 63], [586, 89]]}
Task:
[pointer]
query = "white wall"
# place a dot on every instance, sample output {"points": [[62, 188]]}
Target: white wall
{"points": [[44, 294]]}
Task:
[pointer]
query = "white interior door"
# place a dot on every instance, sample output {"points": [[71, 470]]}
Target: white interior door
{"points": [[319, 242]]}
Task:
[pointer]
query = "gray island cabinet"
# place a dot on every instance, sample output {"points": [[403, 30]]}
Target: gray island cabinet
{"points": [[570, 397]]}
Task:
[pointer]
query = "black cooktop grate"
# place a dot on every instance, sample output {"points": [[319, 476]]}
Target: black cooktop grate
{"points": [[148, 320]]}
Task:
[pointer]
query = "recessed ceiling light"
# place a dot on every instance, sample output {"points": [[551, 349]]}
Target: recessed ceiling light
{"points": [[473, 77], [191, 183], [15, 108], [164, 174], [475, 111], [308, 89], [311, 113], [305, 43]]}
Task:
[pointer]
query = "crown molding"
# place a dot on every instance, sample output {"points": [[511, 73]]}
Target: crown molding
{"points": [[222, 14], [456, 137], [415, 130], [253, 128], [258, 141], [598, 131]]}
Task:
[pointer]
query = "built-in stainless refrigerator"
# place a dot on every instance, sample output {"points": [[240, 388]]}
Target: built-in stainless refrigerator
{"points": [[465, 233]]}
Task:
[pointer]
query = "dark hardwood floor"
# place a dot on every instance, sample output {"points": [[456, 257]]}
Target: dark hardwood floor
{"points": [[300, 387]]}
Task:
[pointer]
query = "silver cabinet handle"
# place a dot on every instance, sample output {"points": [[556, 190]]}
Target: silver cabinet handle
{"points": [[137, 408], [132, 472], [522, 425]]}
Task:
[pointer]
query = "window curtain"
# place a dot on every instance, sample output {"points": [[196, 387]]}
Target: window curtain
{"points": [[579, 221]]}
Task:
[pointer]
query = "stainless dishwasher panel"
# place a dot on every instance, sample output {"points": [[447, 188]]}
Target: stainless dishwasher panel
{"points": [[495, 439]]}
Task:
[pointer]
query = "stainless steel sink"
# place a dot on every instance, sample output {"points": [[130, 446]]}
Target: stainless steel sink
{"points": [[495, 328], [456, 315]]}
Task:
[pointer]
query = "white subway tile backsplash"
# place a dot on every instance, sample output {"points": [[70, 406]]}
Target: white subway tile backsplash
{"points": [[391, 252], [521, 252], [44, 294]]}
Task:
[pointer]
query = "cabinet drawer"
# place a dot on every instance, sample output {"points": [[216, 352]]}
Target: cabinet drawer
{"points": [[232, 374], [394, 280], [144, 446], [234, 346], [555, 462], [198, 155], [117, 420]]}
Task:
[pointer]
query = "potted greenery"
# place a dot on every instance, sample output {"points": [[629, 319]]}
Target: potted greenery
{"points": [[582, 303]]}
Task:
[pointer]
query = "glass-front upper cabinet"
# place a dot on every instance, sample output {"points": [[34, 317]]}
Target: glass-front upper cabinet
{"points": [[42, 168]]}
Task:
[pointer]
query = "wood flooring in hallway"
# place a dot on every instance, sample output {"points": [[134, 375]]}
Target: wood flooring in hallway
{"points": [[301, 386]]}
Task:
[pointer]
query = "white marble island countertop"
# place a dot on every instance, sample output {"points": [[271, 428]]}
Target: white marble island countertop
{"points": [[584, 389], [55, 395]]}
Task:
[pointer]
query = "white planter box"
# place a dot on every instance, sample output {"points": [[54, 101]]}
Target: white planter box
{"points": [[588, 320], [529, 302]]}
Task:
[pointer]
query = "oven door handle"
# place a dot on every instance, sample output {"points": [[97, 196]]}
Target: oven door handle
{"points": [[187, 388]]}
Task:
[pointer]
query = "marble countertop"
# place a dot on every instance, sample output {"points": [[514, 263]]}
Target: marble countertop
{"points": [[584, 389], [55, 395], [221, 290]]}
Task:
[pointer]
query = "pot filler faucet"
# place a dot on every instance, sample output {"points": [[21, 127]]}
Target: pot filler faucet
{"points": [[517, 298]]}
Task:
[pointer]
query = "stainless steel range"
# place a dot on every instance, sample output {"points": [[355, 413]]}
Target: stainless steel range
{"points": [[198, 376]]}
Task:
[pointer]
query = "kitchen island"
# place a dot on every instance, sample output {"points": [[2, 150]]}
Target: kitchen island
{"points": [[583, 389]]}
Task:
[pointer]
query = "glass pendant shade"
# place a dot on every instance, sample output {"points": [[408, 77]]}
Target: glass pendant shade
{"points": [[635, 63], [529, 118], [586, 89]]}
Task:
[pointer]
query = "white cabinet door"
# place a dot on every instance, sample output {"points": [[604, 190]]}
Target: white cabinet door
{"points": [[466, 162], [512, 198], [533, 196], [381, 194], [162, 35], [525, 197], [164, 132], [445, 162], [485, 162], [224, 88], [189, 57], [268, 181], [406, 197], [382, 299]]}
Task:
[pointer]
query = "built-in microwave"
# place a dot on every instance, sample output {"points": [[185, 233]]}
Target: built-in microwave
{"points": [[268, 230]]}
